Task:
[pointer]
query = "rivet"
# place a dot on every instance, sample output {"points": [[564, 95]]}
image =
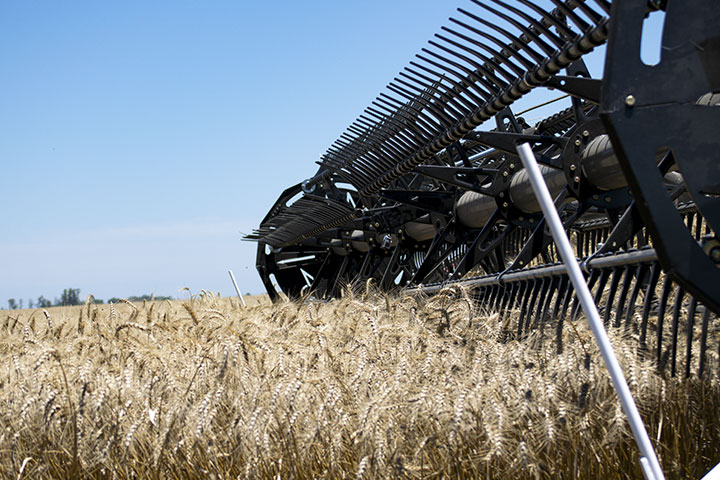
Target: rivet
{"points": [[505, 173], [577, 142], [577, 179], [586, 133], [505, 204], [629, 100], [512, 165], [377, 225], [573, 167]]}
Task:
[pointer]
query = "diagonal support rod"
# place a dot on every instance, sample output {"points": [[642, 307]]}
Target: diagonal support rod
{"points": [[648, 460]]}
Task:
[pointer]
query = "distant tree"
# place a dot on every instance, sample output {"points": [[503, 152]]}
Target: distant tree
{"points": [[70, 296], [12, 304], [97, 301], [30, 303], [21, 304], [43, 302]]}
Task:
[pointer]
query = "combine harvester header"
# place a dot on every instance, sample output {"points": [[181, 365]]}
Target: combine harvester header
{"points": [[426, 188]]}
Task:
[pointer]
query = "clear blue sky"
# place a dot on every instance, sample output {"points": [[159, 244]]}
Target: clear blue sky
{"points": [[139, 139]]}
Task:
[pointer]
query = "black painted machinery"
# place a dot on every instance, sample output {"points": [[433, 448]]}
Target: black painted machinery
{"points": [[424, 190]]}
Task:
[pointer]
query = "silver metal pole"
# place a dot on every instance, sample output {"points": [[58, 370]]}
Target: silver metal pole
{"points": [[650, 465], [232, 277]]}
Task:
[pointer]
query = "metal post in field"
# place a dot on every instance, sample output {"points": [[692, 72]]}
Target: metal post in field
{"points": [[232, 277], [648, 460]]}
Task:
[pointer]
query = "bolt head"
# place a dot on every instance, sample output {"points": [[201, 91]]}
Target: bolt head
{"points": [[505, 204], [586, 133], [715, 254], [630, 100], [577, 179], [505, 173], [578, 142], [377, 225], [512, 165], [573, 167]]}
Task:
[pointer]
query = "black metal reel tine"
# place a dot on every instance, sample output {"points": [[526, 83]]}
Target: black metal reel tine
{"points": [[516, 41], [400, 130], [536, 309], [604, 4], [549, 294], [447, 103], [569, 294], [544, 46], [497, 56], [417, 125], [443, 121], [675, 321], [462, 86], [703, 340], [458, 101], [667, 288], [579, 244], [491, 299], [424, 98], [488, 67], [560, 299], [570, 13], [575, 310], [507, 301], [561, 290], [690, 328], [531, 305], [549, 17], [381, 139], [400, 138], [649, 295], [469, 73], [604, 275], [422, 79], [501, 296], [591, 14], [611, 294], [627, 280], [528, 64], [523, 308], [642, 272], [481, 298], [431, 124], [559, 43]]}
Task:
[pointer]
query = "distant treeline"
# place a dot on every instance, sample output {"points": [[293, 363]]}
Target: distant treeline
{"points": [[71, 296]]}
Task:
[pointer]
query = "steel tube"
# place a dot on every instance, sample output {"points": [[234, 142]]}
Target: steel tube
{"points": [[649, 461]]}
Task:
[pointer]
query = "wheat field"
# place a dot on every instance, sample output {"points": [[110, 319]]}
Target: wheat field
{"points": [[367, 386]]}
